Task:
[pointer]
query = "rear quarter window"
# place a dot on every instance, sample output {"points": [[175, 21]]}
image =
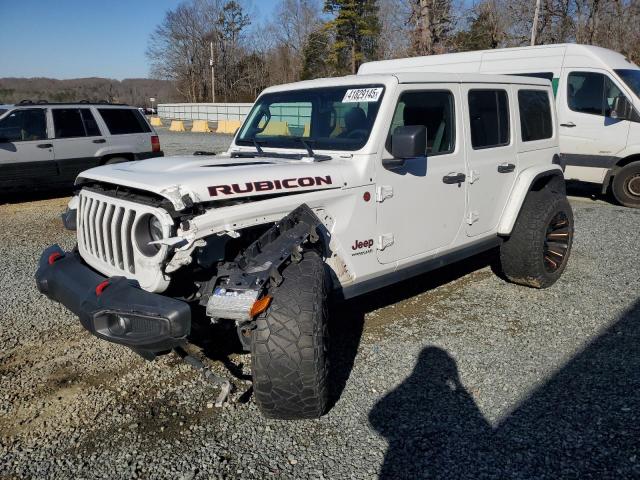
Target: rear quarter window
{"points": [[535, 115], [122, 121]]}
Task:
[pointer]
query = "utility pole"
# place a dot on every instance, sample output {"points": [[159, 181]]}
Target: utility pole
{"points": [[213, 76], [534, 28]]}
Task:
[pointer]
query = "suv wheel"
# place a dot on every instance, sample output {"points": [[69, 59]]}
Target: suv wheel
{"points": [[537, 251], [626, 185], [289, 344]]}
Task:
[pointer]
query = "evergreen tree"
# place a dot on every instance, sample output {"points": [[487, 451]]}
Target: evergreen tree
{"points": [[355, 29], [315, 55]]}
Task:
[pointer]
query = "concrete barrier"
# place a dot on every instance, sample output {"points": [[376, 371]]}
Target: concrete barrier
{"points": [[228, 126], [177, 126], [156, 122], [200, 126], [307, 130], [276, 128]]}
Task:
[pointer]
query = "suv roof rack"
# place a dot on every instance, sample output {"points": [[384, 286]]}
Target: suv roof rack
{"points": [[83, 102]]}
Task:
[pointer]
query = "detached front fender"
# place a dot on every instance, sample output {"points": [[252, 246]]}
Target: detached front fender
{"points": [[524, 182]]}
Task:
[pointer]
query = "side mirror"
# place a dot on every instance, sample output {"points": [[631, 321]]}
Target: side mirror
{"points": [[621, 109], [409, 142]]}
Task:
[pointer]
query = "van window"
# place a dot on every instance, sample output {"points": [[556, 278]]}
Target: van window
{"points": [[121, 121], [489, 116], [593, 93], [535, 115], [24, 125], [434, 110]]}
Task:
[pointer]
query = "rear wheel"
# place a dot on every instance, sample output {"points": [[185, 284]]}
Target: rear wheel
{"points": [[538, 249], [626, 185], [289, 344]]}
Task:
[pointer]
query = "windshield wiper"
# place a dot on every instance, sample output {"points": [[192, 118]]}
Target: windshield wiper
{"points": [[309, 150], [257, 145]]}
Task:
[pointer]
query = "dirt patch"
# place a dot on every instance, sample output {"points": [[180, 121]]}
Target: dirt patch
{"points": [[431, 301]]}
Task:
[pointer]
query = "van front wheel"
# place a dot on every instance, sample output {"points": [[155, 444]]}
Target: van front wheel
{"points": [[626, 185]]}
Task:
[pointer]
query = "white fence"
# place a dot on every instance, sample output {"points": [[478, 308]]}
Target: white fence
{"points": [[204, 111]]}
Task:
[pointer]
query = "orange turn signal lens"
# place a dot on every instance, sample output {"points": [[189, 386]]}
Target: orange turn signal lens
{"points": [[260, 305]]}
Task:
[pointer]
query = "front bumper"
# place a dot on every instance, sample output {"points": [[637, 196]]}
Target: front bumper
{"points": [[113, 309]]}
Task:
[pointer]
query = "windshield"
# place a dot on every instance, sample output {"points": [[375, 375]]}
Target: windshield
{"points": [[335, 118], [632, 79]]}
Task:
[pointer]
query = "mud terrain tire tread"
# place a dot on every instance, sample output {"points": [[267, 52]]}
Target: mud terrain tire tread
{"points": [[289, 344], [521, 255]]}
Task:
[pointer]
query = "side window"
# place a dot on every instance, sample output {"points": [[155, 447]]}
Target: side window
{"points": [[24, 125], [121, 121], [433, 109], [489, 116], [90, 124], [535, 115], [68, 123], [611, 91], [585, 92]]}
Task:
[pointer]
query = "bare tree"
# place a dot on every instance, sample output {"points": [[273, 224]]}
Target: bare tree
{"points": [[433, 23]]}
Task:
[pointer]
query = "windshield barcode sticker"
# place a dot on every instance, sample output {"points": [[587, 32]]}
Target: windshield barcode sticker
{"points": [[355, 95]]}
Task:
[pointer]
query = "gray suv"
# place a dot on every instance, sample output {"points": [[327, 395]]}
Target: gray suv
{"points": [[48, 144]]}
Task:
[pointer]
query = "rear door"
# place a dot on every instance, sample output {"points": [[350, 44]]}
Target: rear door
{"points": [[77, 139], [26, 153], [417, 211], [491, 154], [128, 130], [590, 138]]}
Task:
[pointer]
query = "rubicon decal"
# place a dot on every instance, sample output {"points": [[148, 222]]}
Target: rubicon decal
{"points": [[268, 185]]}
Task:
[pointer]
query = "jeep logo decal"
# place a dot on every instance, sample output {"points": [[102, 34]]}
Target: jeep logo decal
{"points": [[362, 247], [267, 185]]}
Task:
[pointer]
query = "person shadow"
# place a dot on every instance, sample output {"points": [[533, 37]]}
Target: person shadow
{"points": [[432, 424], [582, 422]]}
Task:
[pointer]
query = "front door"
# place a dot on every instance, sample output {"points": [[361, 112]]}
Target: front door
{"points": [[491, 154], [417, 211], [589, 136], [26, 153]]}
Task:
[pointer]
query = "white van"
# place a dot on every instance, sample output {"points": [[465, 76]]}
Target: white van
{"points": [[597, 99]]}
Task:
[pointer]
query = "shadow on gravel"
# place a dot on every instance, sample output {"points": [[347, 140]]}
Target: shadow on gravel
{"points": [[581, 423], [591, 191], [347, 318]]}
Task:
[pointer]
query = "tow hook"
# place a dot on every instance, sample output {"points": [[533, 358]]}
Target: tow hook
{"points": [[223, 383]]}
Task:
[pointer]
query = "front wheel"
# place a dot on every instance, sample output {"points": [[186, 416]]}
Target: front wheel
{"points": [[626, 185], [537, 251], [289, 344]]}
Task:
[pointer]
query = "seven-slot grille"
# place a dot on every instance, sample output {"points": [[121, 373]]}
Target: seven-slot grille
{"points": [[105, 231]]}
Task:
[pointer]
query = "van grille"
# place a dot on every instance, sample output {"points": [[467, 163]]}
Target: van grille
{"points": [[105, 231]]}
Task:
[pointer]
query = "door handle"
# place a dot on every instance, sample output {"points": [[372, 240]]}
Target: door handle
{"points": [[99, 140], [454, 178], [568, 124], [45, 145], [506, 168]]}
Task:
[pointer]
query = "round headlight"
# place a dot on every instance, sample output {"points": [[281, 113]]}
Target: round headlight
{"points": [[155, 229], [149, 229]]}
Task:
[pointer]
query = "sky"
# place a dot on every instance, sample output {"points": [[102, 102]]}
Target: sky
{"points": [[83, 38]]}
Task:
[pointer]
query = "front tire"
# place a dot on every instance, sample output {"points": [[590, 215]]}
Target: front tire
{"points": [[289, 344], [626, 185], [538, 249]]}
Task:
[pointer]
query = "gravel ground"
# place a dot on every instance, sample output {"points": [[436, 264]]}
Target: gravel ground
{"points": [[456, 374], [175, 143]]}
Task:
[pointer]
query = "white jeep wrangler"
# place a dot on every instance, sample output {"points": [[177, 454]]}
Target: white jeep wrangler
{"points": [[339, 186]]}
